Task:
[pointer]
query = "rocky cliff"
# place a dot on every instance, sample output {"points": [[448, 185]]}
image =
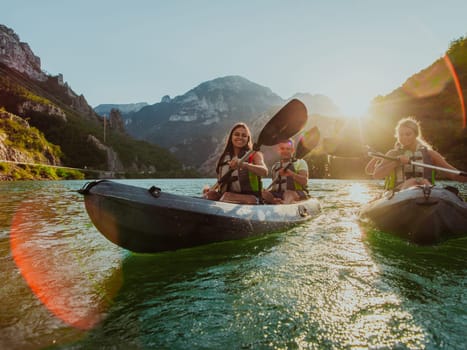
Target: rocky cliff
{"points": [[66, 122], [194, 124], [18, 55]]}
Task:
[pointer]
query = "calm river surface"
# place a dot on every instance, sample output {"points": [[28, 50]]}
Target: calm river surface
{"points": [[332, 283]]}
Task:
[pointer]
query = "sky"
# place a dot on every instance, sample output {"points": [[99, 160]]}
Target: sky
{"points": [[138, 51]]}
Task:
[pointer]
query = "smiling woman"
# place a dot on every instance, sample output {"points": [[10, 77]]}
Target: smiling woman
{"points": [[240, 179]]}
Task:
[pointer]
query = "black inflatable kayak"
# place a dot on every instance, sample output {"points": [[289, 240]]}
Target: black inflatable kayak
{"points": [[423, 215], [150, 220]]}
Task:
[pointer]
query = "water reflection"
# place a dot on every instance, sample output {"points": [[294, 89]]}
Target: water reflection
{"points": [[59, 272], [331, 283], [171, 299]]}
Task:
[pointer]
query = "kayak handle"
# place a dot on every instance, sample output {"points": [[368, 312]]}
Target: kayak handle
{"points": [[155, 191], [88, 185]]}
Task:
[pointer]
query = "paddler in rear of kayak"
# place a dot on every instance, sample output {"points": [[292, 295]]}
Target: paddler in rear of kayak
{"points": [[411, 146], [289, 177], [243, 184]]}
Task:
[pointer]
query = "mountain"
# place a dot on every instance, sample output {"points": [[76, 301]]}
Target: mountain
{"points": [[193, 126], [319, 104], [435, 96], [66, 120], [104, 109]]}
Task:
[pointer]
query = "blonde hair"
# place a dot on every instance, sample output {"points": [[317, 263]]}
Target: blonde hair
{"points": [[414, 125]]}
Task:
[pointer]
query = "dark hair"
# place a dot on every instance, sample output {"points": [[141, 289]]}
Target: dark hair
{"points": [[229, 145]]}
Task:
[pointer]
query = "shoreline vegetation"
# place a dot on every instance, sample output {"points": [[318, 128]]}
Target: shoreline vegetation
{"points": [[17, 171]]}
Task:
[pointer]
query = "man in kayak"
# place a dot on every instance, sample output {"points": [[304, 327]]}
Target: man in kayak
{"points": [[239, 181], [289, 177], [411, 146]]}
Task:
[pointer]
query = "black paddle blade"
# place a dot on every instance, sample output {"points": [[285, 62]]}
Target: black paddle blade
{"points": [[307, 141], [284, 124]]}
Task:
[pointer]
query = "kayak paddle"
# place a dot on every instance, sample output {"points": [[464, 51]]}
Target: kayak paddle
{"points": [[307, 141], [284, 124], [429, 166]]}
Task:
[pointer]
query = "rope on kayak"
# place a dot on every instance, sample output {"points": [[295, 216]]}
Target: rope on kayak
{"points": [[88, 185]]}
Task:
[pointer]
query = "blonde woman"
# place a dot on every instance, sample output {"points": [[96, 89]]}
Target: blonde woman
{"points": [[411, 146]]}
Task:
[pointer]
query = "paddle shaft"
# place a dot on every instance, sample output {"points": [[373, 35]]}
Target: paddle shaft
{"points": [[429, 166]]}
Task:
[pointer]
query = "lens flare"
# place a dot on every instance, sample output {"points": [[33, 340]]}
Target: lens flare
{"points": [[67, 280], [307, 142], [428, 82], [454, 75], [433, 81]]}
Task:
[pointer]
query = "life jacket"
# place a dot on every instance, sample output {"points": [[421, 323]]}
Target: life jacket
{"points": [[280, 184], [408, 171], [241, 180]]}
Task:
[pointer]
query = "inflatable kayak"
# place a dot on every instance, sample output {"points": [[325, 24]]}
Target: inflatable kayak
{"points": [[423, 215], [150, 220]]}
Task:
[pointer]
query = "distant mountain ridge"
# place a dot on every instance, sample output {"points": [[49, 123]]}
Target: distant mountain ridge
{"points": [[193, 125], [124, 108]]}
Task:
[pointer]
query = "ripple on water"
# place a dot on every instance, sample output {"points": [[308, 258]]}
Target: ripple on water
{"points": [[331, 283]]}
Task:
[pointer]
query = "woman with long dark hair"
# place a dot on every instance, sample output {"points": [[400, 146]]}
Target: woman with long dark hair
{"points": [[244, 183]]}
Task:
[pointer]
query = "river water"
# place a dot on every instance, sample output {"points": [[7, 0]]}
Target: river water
{"points": [[332, 283]]}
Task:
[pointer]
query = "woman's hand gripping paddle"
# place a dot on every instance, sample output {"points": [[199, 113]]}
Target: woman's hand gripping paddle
{"points": [[423, 165]]}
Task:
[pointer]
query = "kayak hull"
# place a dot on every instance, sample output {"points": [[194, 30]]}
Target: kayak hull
{"points": [[424, 217], [153, 221]]}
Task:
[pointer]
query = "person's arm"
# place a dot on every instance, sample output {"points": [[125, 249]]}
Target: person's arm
{"points": [[257, 167], [301, 176], [384, 168], [371, 165], [439, 160]]}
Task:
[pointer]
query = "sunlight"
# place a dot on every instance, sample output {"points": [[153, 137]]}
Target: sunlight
{"points": [[428, 82], [347, 140], [356, 108], [433, 81], [359, 193]]}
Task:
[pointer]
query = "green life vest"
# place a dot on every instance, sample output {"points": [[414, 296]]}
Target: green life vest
{"points": [[241, 180], [287, 183], [407, 171]]}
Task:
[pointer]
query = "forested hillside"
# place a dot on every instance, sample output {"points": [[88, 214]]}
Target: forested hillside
{"points": [[436, 97], [79, 136]]}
